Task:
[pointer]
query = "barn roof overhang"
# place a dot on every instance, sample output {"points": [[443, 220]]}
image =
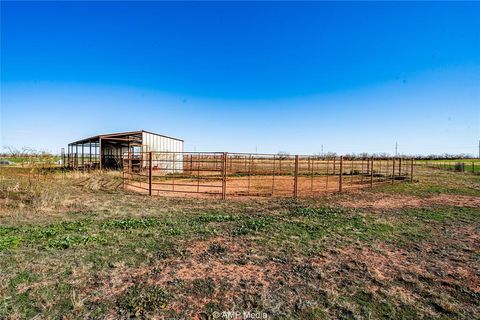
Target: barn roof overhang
{"points": [[128, 136]]}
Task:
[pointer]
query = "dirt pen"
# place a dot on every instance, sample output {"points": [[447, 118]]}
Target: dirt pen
{"points": [[225, 175]]}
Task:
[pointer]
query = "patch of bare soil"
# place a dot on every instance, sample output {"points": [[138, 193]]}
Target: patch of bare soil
{"points": [[385, 263], [206, 271], [229, 273], [386, 202], [250, 187]]}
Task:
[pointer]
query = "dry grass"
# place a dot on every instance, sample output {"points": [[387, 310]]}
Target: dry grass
{"points": [[390, 202]]}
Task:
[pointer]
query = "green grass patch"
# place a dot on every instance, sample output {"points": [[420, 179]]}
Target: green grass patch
{"points": [[444, 214], [131, 223], [215, 217], [252, 225], [314, 211]]}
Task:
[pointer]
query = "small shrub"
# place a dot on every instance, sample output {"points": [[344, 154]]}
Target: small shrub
{"points": [[459, 167]]}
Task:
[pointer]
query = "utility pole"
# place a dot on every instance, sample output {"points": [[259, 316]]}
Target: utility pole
{"points": [[396, 149], [478, 149], [322, 149]]}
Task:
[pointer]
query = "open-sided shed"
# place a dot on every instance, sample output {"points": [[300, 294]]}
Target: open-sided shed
{"points": [[107, 150]]}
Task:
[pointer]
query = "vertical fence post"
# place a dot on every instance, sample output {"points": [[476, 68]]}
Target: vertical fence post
{"points": [[326, 184], [362, 172], [90, 153], [224, 176], [473, 167], [150, 173], [393, 170], [76, 156], [123, 173], [399, 167], [83, 157], [411, 171], [371, 172], [100, 161], [295, 178], [340, 180], [129, 161], [273, 176]]}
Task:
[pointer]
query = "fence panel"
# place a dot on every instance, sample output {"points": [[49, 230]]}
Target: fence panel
{"points": [[225, 175]]}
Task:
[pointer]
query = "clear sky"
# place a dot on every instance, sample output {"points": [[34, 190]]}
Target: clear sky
{"points": [[249, 76]]}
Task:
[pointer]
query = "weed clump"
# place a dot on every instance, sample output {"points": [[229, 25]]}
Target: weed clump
{"points": [[252, 225], [215, 218], [140, 299], [131, 223], [203, 287], [313, 212], [216, 248], [8, 242], [69, 241]]}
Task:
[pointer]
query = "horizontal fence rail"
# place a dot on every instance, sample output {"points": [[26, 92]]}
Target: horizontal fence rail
{"points": [[225, 175]]}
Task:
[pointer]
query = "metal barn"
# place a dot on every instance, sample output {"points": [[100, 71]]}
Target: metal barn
{"points": [[106, 151]]}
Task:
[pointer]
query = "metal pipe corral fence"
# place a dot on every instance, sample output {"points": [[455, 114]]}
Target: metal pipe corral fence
{"points": [[225, 175]]}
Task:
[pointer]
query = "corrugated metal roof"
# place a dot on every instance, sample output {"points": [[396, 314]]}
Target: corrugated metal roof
{"points": [[96, 138]]}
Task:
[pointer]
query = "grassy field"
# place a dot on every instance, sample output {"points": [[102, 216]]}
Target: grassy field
{"points": [[77, 246], [470, 165], [476, 160]]}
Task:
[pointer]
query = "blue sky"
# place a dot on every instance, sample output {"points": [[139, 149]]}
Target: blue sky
{"points": [[352, 77]]}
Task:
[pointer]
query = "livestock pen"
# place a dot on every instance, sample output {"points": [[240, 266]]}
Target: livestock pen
{"points": [[221, 174]]}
